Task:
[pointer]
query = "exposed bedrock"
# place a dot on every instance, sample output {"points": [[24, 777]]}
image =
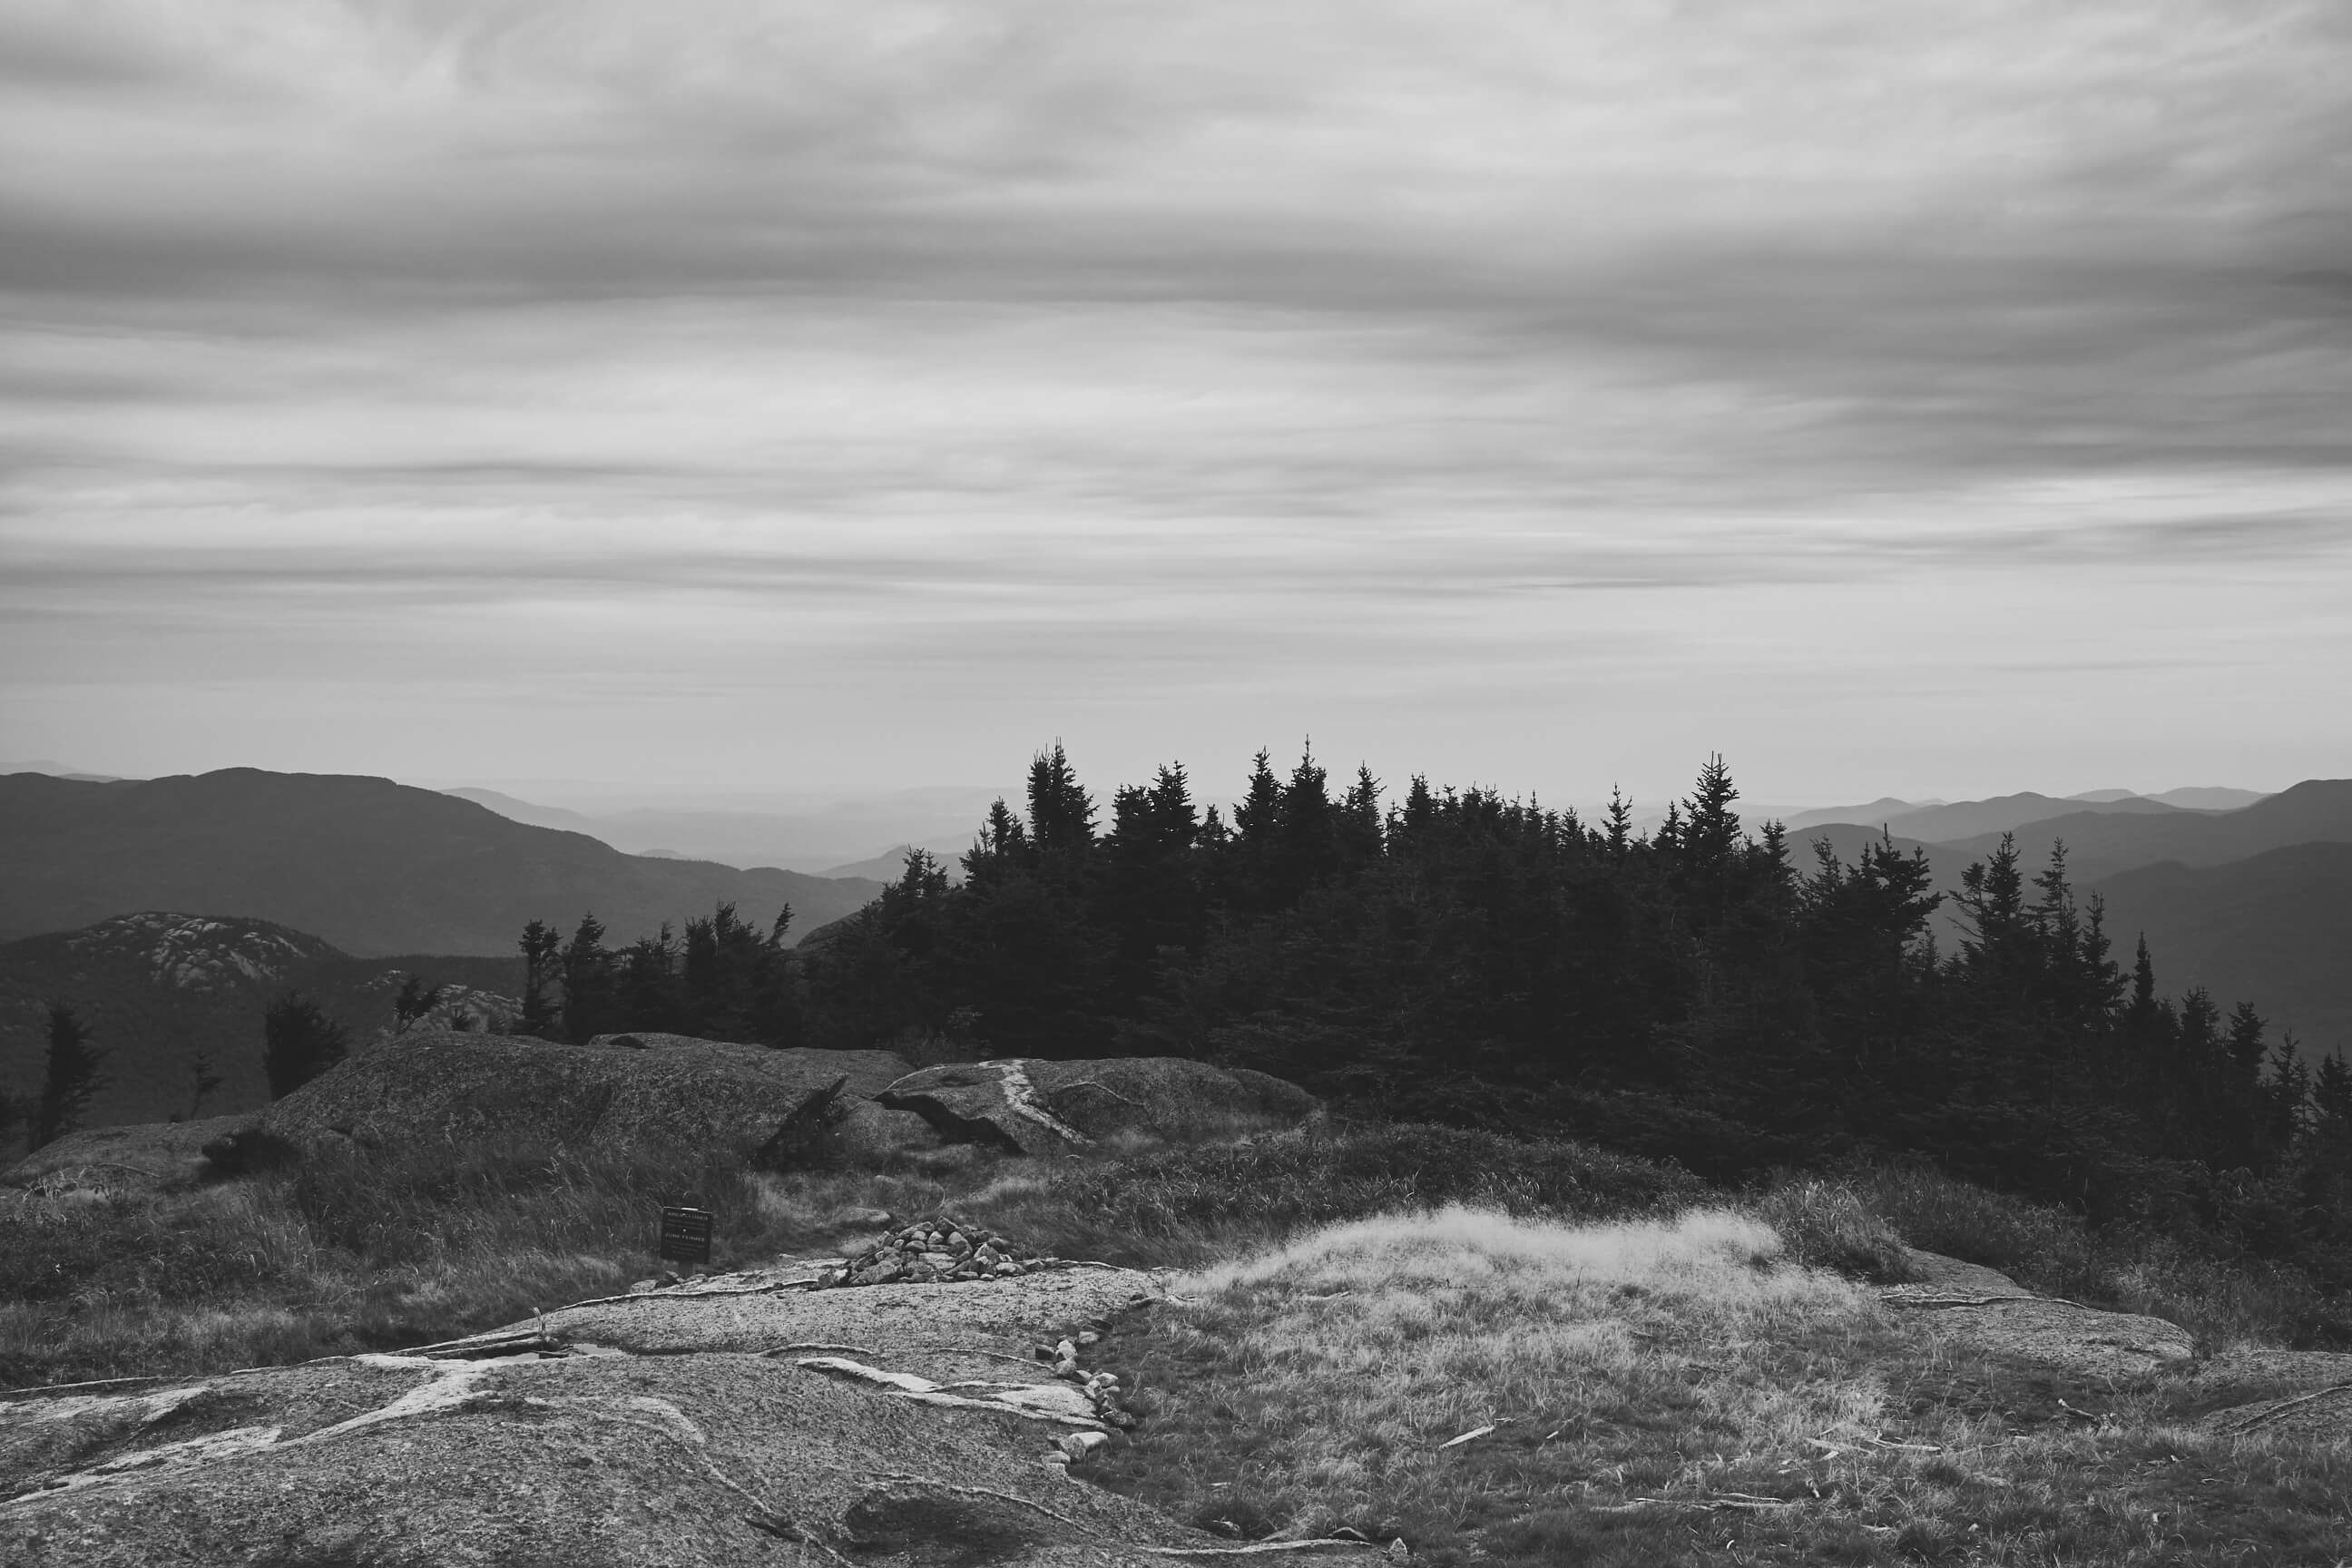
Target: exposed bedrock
{"points": [[1034, 1106], [713, 1425]]}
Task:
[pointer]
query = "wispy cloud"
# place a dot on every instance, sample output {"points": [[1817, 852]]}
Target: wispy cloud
{"points": [[1309, 349]]}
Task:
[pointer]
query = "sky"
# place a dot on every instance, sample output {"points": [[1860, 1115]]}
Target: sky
{"points": [[1895, 398]]}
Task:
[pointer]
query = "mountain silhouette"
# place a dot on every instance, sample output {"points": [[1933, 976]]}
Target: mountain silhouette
{"points": [[2105, 843], [372, 867]]}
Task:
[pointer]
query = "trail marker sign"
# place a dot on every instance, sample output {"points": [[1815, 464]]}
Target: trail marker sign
{"points": [[686, 1236]]}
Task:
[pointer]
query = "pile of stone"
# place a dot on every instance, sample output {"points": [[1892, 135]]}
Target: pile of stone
{"points": [[1101, 1387], [944, 1248]]}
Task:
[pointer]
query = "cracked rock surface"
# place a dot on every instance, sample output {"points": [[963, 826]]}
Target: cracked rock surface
{"points": [[749, 1423], [1988, 1311]]}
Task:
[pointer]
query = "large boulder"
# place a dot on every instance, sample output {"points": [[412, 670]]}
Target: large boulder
{"points": [[423, 1089], [1033, 1106]]}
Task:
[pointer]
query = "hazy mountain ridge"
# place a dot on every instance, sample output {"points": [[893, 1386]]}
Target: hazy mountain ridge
{"points": [[2254, 904], [2104, 842], [831, 840], [2274, 928], [372, 867], [156, 988]]}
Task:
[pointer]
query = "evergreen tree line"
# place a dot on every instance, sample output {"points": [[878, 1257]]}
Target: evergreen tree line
{"points": [[1696, 991]]}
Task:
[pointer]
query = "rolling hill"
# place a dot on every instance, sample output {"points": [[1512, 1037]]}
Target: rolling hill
{"points": [[1969, 819], [372, 867], [157, 988], [2105, 843]]}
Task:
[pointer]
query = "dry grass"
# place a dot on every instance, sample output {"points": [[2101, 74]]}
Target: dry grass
{"points": [[1666, 1377], [1664, 1391], [371, 1251]]}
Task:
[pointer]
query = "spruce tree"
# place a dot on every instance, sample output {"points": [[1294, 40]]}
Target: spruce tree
{"points": [[1061, 813], [70, 1076], [587, 971], [539, 948], [2245, 1046]]}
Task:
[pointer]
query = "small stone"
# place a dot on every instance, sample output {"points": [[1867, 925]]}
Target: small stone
{"points": [[641, 1287], [1090, 1337], [1082, 1445]]}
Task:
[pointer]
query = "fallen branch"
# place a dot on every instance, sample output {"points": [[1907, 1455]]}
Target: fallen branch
{"points": [[2247, 1424], [1466, 1436]]}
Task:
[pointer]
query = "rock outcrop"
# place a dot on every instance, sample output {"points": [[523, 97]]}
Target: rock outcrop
{"points": [[140, 1157], [1988, 1311], [1033, 1106], [665, 1091], [718, 1424]]}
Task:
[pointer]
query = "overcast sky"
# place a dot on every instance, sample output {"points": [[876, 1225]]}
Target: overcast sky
{"points": [[1926, 398]]}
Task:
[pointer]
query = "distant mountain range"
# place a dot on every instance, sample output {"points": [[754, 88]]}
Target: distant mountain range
{"points": [[370, 866], [155, 989], [1939, 821], [2103, 842], [2254, 904], [846, 838]]}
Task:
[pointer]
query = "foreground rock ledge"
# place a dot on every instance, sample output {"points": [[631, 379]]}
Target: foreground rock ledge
{"points": [[705, 1425]]}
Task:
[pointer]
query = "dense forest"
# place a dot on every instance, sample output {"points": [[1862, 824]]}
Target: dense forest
{"points": [[1700, 991]]}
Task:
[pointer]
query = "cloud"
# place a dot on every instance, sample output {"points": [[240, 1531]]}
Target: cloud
{"points": [[1047, 335]]}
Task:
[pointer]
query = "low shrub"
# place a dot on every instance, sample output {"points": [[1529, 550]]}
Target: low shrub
{"points": [[2224, 1296], [1826, 1224]]}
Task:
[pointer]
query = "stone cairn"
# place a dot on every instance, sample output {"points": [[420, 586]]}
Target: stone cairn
{"points": [[940, 1249]]}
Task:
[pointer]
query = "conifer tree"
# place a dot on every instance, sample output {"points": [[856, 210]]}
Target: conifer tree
{"points": [[587, 971], [71, 1075], [1001, 844], [413, 1003], [2331, 1095], [1257, 816], [540, 945], [2245, 1046], [2289, 1092], [1061, 813], [1620, 817]]}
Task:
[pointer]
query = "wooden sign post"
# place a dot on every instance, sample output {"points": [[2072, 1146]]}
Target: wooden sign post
{"points": [[686, 1236]]}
